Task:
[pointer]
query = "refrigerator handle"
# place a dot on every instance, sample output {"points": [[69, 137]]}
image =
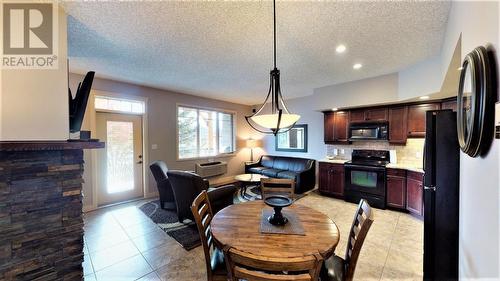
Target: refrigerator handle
{"points": [[432, 187]]}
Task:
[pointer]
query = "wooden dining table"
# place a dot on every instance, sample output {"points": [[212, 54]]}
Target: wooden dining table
{"points": [[238, 226]]}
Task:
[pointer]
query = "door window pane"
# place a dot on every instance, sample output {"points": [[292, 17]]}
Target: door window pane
{"points": [[119, 156], [113, 104]]}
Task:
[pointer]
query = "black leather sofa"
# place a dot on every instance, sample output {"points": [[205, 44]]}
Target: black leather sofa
{"points": [[302, 170]]}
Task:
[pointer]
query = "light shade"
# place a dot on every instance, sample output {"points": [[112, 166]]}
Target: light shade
{"points": [[271, 120], [251, 143]]}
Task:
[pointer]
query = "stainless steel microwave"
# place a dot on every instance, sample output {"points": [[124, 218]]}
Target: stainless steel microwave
{"points": [[368, 131]]}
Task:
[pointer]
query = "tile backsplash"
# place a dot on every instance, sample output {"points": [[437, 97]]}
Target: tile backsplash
{"points": [[410, 154]]}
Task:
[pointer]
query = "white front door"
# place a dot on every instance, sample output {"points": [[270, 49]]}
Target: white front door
{"points": [[120, 164]]}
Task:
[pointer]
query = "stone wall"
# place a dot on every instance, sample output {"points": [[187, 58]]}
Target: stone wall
{"points": [[41, 225]]}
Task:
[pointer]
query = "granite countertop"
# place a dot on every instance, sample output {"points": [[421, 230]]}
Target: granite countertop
{"points": [[390, 165], [334, 161], [405, 167]]}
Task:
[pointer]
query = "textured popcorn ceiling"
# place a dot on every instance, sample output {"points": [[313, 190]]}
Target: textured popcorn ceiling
{"points": [[223, 50]]}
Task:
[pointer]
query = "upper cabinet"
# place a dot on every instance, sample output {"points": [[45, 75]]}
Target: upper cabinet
{"points": [[398, 121], [357, 115], [336, 126], [369, 114], [376, 114], [416, 118], [449, 104], [406, 120]]}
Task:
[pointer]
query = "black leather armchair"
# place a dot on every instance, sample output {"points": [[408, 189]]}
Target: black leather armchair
{"points": [[186, 186], [302, 170], [159, 170]]}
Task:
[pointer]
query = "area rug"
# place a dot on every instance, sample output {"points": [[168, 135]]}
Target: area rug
{"points": [[186, 233]]}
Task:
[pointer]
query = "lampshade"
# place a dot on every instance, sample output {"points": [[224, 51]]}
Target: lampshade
{"points": [[251, 143], [271, 120]]}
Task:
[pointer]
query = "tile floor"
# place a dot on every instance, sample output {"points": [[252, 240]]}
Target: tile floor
{"points": [[121, 243]]}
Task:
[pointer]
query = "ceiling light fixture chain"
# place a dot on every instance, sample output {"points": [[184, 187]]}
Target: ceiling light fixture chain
{"points": [[280, 119]]}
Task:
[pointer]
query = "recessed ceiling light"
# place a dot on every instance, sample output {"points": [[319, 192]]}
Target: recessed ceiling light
{"points": [[340, 48], [424, 97], [335, 109], [357, 66]]}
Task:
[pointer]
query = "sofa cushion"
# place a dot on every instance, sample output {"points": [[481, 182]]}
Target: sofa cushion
{"points": [[281, 163], [257, 170], [287, 175], [271, 172], [267, 161], [298, 164]]}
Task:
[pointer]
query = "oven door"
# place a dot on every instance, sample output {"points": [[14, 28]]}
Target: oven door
{"points": [[365, 179]]}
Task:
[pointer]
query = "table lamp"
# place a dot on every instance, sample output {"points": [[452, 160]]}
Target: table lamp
{"points": [[251, 143]]}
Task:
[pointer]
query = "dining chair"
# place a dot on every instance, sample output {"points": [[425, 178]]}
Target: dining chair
{"points": [[342, 269], [214, 258], [270, 186], [243, 265]]}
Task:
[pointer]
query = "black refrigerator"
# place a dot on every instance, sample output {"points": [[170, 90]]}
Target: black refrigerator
{"points": [[441, 196]]}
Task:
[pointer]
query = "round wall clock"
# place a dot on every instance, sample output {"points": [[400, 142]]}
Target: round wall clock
{"points": [[474, 98]]}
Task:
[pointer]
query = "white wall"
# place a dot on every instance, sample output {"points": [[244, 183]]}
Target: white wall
{"points": [[34, 103], [411, 80], [479, 177]]}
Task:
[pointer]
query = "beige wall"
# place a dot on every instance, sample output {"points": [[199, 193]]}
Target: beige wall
{"points": [[34, 103], [161, 129]]}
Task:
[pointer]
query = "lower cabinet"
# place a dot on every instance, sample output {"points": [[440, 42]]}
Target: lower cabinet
{"points": [[396, 188], [415, 193], [331, 179]]}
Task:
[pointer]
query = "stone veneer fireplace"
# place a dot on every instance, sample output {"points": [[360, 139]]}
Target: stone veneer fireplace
{"points": [[41, 225]]}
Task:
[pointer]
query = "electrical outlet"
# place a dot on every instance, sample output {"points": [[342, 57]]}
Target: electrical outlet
{"points": [[154, 146], [342, 151]]}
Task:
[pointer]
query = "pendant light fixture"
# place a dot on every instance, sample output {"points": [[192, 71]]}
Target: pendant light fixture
{"points": [[279, 119]]}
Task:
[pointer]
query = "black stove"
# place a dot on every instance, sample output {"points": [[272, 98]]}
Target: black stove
{"points": [[365, 177], [378, 158]]}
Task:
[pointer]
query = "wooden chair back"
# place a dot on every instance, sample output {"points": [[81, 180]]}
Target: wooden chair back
{"points": [[202, 213], [362, 222], [269, 186], [242, 265]]}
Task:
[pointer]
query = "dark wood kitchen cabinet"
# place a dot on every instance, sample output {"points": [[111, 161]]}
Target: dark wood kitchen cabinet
{"points": [[336, 126], [331, 179], [416, 118], [376, 114], [398, 121], [450, 104], [357, 115], [396, 188], [369, 114], [415, 193]]}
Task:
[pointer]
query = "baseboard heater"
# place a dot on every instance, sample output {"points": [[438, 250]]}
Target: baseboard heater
{"points": [[211, 169]]}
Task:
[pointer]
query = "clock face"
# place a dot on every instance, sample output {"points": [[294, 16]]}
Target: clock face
{"points": [[467, 109]]}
